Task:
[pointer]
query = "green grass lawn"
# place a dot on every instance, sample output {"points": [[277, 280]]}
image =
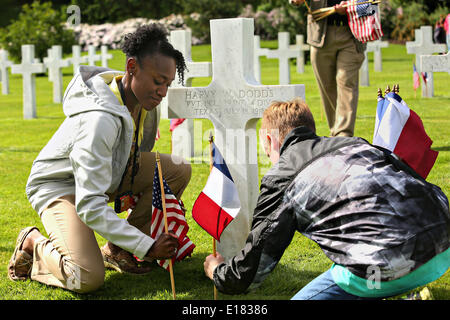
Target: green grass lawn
{"points": [[21, 140]]}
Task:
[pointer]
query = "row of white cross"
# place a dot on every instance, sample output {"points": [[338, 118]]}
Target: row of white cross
{"points": [[180, 39], [423, 47], [54, 62]]}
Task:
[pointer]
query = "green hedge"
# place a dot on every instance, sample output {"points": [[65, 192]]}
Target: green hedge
{"points": [[38, 24]]}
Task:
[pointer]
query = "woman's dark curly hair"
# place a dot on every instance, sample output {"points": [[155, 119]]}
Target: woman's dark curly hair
{"points": [[151, 39]]}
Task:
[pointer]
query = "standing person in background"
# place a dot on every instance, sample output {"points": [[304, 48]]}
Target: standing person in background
{"points": [[439, 32], [336, 57], [447, 30]]}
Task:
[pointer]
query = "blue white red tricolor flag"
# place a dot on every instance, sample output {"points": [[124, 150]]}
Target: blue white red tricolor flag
{"points": [[218, 204], [416, 77], [176, 220], [400, 130], [364, 20], [424, 77]]}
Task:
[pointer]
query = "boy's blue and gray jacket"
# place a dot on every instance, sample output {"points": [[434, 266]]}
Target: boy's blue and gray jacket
{"points": [[361, 205]]}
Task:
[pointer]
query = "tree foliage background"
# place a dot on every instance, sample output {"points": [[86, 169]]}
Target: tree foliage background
{"points": [[21, 21], [38, 24]]}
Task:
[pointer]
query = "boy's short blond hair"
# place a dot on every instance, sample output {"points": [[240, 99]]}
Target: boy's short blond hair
{"points": [[285, 116]]}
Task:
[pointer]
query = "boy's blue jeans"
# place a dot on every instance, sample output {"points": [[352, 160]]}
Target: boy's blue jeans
{"points": [[324, 288]]}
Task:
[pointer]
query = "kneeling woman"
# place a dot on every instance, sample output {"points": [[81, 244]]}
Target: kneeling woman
{"points": [[101, 151]]}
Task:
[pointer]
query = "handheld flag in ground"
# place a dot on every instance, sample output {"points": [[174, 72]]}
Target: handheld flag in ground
{"points": [[364, 20], [424, 77], [218, 204], [416, 77], [175, 219], [400, 130]]}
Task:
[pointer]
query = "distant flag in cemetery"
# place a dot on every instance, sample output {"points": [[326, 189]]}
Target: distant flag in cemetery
{"points": [[218, 204], [364, 20], [175, 219], [400, 130], [424, 77], [416, 78]]}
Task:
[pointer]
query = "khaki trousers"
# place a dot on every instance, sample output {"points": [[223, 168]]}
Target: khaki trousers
{"points": [[336, 67], [70, 257]]}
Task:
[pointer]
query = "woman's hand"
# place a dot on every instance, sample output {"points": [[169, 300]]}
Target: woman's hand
{"points": [[165, 247], [210, 264]]}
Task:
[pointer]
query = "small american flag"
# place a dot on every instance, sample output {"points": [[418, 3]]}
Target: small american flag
{"points": [[416, 77], [176, 220], [364, 20]]}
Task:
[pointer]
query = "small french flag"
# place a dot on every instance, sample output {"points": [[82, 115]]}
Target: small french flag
{"points": [[400, 130], [218, 204]]}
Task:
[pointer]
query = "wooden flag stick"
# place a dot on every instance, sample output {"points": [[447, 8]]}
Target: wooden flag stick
{"points": [[166, 228], [211, 163], [307, 7]]}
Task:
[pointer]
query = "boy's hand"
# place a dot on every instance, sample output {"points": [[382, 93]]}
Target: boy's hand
{"points": [[211, 263]]}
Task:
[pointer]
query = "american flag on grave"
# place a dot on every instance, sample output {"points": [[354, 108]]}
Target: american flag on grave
{"points": [[364, 20], [176, 220]]}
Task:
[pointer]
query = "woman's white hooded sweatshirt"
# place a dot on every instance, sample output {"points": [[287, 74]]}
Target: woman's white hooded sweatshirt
{"points": [[87, 156]]}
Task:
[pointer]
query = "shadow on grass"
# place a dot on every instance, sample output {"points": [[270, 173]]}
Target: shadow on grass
{"points": [[20, 149], [444, 148], [191, 284]]}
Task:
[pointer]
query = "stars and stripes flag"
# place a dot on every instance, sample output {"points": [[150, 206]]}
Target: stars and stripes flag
{"points": [[218, 204], [176, 220], [400, 130], [416, 77], [364, 20]]}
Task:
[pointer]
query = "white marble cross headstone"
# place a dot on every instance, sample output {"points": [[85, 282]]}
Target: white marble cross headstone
{"points": [[439, 63], [105, 56], [28, 69], [301, 47], [258, 52], [55, 63], [92, 55], [424, 45], [364, 72], [183, 134], [4, 65], [375, 47], [284, 53], [233, 101], [77, 59]]}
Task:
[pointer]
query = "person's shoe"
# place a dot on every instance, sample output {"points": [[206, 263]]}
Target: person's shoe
{"points": [[423, 294], [21, 262], [120, 260]]}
